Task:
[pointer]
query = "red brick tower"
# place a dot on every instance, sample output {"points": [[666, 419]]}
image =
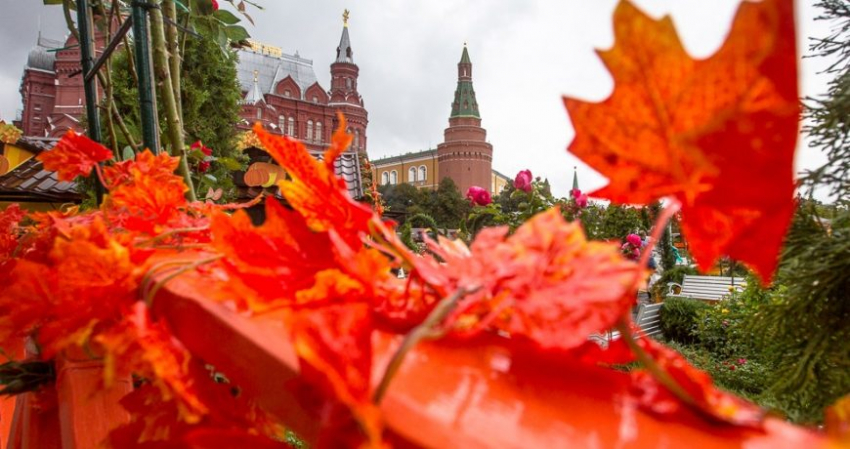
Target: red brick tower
{"points": [[465, 156], [344, 96]]}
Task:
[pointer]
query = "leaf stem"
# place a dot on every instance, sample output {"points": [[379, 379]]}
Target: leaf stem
{"points": [[150, 295], [662, 376], [427, 330]]}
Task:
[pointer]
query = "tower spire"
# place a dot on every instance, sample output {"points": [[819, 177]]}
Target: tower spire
{"points": [[465, 104], [344, 53], [575, 178]]}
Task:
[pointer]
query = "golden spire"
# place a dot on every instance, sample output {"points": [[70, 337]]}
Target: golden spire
{"points": [[345, 15]]}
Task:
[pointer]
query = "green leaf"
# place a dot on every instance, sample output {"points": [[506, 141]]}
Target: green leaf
{"points": [[236, 33], [230, 163], [128, 154], [226, 17], [197, 155], [202, 7]]}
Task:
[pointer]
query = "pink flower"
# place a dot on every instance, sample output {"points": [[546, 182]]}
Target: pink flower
{"points": [[742, 361], [203, 166], [215, 5], [732, 367], [523, 181], [579, 198], [478, 196], [634, 240]]}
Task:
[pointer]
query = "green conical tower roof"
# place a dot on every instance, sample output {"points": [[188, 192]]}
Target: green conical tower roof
{"points": [[464, 58], [465, 104], [575, 178]]}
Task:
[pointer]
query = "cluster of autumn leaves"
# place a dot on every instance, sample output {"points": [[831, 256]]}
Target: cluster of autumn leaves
{"points": [[76, 279]]}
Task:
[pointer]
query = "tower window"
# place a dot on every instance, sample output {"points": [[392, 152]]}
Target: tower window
{"points": [[287, 93], [319, 136], [259, 114], [315, 99], [281, 122], [357, 139], [411, 174], [348, 83], [291, 129]]}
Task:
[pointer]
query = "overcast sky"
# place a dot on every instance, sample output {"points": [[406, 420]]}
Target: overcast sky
{"points": [[526, 55]]}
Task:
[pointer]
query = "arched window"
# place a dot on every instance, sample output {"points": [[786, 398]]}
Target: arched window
{"points": [[281, 122], [309, 135], [319, 136], [357, 139], [411, 174], [385, 178], [259, 114], [291, 129], [423, 173], [393, 177]]}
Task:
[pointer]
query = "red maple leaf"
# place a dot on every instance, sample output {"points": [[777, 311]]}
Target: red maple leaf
{"points": [[74, 155], [718, 134], [314, 190], [545, 282], [269, 264]]}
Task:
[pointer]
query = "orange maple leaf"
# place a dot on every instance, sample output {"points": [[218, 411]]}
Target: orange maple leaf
{"points": [[269, 264], [335, 347], [718, 134], [74, 155], [85, 283], [314, 190], [145, 194], [9, 220]]}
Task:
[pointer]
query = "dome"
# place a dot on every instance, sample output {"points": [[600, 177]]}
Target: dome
{"points": [[40, 58]]}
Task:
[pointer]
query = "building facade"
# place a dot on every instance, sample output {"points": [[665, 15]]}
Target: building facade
{"points": [[279, 90], [465, 156], [52, 89]]}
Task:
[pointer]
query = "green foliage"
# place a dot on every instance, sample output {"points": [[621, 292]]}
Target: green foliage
{"points": [[804, 329], [828, 127], [619, 221], [741, 376], [210, 98], [445, 206], [680, 319]]}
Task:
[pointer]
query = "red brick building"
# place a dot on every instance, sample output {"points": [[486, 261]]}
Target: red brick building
{"points": [[280, 90], [52, 89]]}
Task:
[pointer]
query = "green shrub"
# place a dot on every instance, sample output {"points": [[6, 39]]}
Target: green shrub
{"points": [[679, 319]]}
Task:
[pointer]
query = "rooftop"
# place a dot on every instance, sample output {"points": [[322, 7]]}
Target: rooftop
{"points": [[272, 66], [405, 157]]}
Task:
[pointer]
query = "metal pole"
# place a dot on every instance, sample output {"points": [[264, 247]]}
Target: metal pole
{"points": [[87, 62], [141, 46]]}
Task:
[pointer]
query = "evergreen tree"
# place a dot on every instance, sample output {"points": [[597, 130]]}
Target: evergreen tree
{"points": [[804, 331]]}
